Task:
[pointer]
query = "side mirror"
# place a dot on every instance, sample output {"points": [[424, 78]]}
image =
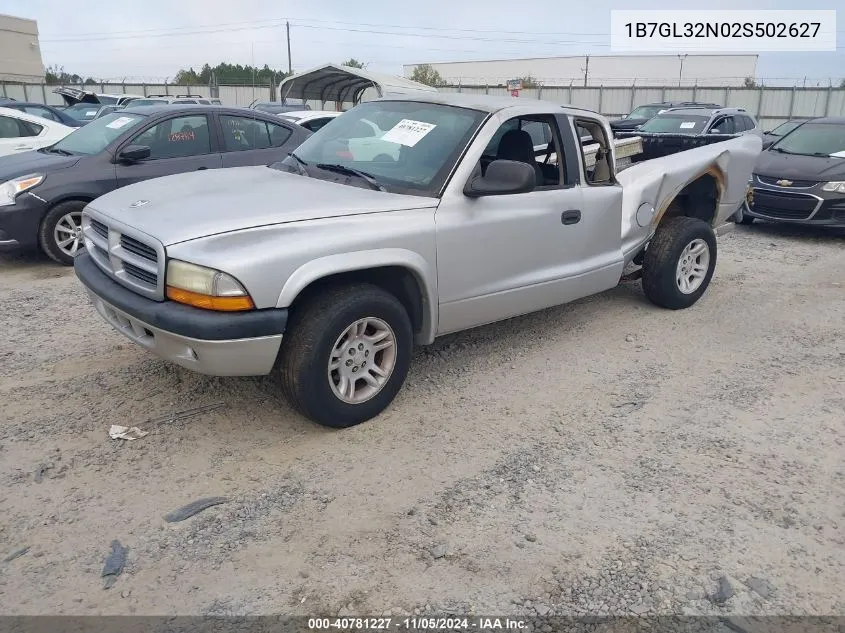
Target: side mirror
{"points": [[134, 153], [503, 177]]}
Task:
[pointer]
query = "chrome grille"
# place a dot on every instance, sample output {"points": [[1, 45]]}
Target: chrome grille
{"points": [[801, 184], [138, 248], [128, 256], [100, 228]]}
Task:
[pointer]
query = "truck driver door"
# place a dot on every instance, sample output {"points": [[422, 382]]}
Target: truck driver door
{"points": [[499, 256]]}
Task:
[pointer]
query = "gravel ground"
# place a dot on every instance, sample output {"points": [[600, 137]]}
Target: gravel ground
{"points": [[605, 457]]}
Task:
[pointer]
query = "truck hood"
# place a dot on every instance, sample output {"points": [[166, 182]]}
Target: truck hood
{"points": [[799, 167], [188, 206]]}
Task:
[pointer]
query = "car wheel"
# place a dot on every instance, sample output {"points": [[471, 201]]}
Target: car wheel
{"points": [[679, 262], [345, 354], [60, 235]]}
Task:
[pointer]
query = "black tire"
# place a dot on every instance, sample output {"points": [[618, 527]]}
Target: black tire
{"points": [[660, 263], [314, 327], [46, 233]]}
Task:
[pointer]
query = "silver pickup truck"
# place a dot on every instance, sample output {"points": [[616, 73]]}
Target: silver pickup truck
{"points": [[401, 220]]}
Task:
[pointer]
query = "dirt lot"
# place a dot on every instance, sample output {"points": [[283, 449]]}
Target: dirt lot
{"points": [[602, 457]]}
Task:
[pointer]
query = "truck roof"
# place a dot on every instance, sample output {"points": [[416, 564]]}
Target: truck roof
{"points": [[485, 103]]}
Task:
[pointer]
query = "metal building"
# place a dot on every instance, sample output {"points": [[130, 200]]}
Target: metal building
{"points": [[603, 70], [20, 52]]}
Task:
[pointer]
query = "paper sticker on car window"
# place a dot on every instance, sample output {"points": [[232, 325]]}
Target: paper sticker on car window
{"points": [[90, 112], [120, 122], [408, 132], [687, 125]]}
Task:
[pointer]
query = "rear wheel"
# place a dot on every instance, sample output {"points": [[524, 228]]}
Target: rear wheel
{"points": [[345, 354], [60, 235], [679, 262]]}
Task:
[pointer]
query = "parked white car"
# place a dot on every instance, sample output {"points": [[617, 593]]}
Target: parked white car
{"points": [[311, 120], [22, 132]]}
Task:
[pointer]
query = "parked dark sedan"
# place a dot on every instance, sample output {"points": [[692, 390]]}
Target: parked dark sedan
{"points": [[42, 193], [801, 178], [44, 111]]}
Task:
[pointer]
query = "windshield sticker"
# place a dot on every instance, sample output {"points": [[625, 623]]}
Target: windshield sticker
{"points": [[687, 125], [120, 122], [90, 112], [408, 132]]}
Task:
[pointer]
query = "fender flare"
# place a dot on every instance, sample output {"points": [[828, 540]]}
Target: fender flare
{"points": [[322, 267]]}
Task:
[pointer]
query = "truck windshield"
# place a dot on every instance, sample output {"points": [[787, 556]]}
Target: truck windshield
{"points": [[814, 139], [675, 124], [94, 137], [406, 146]]}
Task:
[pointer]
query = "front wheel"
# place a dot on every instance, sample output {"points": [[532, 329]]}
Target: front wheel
{"points": [[60, 234], [345, 354], [679, 262]]}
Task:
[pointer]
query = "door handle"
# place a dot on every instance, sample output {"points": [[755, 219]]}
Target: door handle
{"points": [[573, 216], [201, 168], [22, 147]]}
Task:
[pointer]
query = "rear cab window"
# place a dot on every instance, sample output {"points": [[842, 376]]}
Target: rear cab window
{"points": [[596, 155]]}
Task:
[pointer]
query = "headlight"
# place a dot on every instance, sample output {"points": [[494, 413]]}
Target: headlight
{"points": [[837, 186], [11, 189], [206, 288]]}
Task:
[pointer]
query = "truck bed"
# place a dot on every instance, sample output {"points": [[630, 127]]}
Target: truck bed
{"points": [[655, 145]]}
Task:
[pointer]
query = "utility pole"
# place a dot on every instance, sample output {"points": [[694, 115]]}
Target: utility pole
{"points": [[681, 71], [290, 66], [586, 69]]}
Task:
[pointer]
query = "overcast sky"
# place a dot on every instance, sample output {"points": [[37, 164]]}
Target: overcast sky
{"points": [[153, 39]]}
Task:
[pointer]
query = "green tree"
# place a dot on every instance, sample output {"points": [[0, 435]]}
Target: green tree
{"points": [[749, 82], [427, 74], [56, 75], [529, 81], [225, 73], [353, 63]]}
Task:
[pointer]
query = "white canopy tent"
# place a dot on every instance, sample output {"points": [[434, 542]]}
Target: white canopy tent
{"points": [[332, 83]]}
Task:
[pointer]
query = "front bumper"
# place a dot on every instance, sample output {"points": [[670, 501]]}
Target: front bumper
{"points": [[19, 222], [795, 205], [214, 343]]}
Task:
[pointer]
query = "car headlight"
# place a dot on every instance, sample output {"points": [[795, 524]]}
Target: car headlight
{"points": [[11, 189], [837, 186], [206, 288]]}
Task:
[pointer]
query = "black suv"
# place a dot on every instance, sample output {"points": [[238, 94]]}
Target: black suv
{"points": [[643, 113], [43, 192]]}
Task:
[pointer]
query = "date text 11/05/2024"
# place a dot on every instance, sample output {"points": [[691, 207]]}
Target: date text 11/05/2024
{"points": [[416, 624]]}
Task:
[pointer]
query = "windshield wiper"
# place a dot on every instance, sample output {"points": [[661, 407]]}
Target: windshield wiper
{"points": [[780, 150], [301, 164], [343, 169], [56, 150]]}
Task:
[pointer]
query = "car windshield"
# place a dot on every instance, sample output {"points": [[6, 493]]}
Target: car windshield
{"points": [[785, 128], [83, 111], [644, 112], [97, 135], [148, 102], [106, 100], [676, 124], [406, 146], [815, 139]]}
